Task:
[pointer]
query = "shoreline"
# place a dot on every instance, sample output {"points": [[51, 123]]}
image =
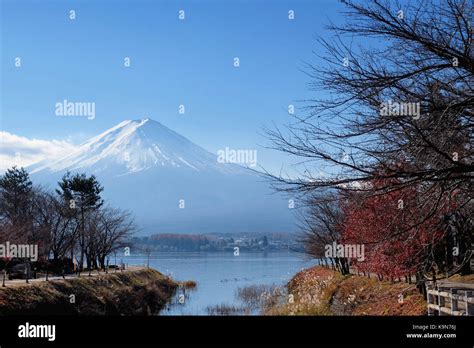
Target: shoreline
{"points": [[321, 291], [134, 292]]}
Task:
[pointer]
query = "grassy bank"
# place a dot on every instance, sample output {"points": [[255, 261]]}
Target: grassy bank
{"points": [[320, 291], [138, 292]]}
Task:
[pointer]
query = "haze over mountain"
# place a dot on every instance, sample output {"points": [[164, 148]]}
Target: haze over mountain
{"points": [[149, 169]]}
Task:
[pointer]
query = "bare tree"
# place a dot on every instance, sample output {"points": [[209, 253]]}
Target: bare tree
{"points": [[426, 58], [322, 225], [55, 223], [400, 111], [109, 228]]}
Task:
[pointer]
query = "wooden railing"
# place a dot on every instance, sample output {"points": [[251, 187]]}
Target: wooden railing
{"points": [[448, 298]]}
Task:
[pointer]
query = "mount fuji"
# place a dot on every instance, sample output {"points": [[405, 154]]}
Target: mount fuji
{"points": [[171, 184]]}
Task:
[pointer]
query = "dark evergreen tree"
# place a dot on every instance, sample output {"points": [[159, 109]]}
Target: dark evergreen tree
{"points": [[16, 193], [16, 196], [82, 195]]}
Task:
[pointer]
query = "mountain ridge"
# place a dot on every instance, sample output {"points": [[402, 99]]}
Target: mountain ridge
{"points": [[171, 184], [135, 145]]}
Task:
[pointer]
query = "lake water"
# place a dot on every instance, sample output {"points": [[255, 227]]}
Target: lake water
{"points": [[219, 274]]}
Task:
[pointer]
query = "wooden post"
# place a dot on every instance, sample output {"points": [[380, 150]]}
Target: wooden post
{"points": [[46, 274], [4, 277], [429, 301], [467, 295], [440, 302], [454, 301], [26, 273]]}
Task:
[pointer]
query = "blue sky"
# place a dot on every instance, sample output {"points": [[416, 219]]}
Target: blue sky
{"points": [[173, 62]]}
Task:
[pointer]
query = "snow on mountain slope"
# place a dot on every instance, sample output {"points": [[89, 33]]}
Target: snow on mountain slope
{"points": [[134, 146], [170, 184]]}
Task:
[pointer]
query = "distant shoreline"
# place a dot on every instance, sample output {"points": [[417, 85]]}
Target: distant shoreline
{"points": [[237, 242]]}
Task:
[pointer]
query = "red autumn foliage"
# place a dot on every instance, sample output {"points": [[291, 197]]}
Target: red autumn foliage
{"points": [[395, 243]]}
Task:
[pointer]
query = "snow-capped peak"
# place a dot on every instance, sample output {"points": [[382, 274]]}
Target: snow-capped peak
{"points": [[133, 146]]}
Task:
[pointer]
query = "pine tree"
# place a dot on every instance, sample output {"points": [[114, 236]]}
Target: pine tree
{"points": [[82, 195], [16, 194]]}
